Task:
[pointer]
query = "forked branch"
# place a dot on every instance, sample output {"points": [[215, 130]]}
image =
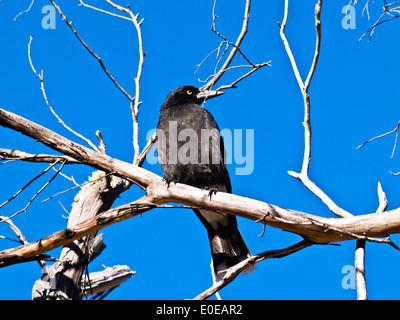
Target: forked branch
{"points": [[235, 48], [41, 78], [134, 101], [303, 175]]}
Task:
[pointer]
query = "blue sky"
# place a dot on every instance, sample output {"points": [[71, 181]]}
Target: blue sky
{"points": [[353, 98]]}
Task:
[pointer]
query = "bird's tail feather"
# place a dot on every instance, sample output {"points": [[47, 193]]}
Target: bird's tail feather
{"points": [[227, 245], [227, 252]]}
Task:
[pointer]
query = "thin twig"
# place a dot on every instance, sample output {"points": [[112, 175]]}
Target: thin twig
{"points": [[146, 149], [388, 9], [234, 271], [80, 185], [102, 146], [71, 178], [304, 86], [6, 154], [396, 129], [134, 101], [40, 76], [365, 9], [230, 68], [103, 11], [359, 264], [78, 231], [29, 183], [15, 229], [26, 11], [20, 236], [321, 195], [232, 85], [235, 47], [69, 23], [37, 193], [307, 113], [287, 47]]}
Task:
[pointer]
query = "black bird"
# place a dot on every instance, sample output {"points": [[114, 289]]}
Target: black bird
{"points": [[191, 151]]}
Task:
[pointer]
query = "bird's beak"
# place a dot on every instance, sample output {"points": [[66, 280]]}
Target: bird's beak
{"points": [[208, 94]]}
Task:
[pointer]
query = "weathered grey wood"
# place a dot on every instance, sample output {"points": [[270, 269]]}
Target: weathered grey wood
{"points": [[93, 198], [16, 154], [60, 238], [109, 278]]}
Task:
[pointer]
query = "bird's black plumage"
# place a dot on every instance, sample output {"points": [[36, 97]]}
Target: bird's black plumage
{"points": [[191, 151]]}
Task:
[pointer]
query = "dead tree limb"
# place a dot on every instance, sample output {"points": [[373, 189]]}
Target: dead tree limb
{"points": [[315, 228], [235, 48], [93, 199], [107, 279], [234, 271]]}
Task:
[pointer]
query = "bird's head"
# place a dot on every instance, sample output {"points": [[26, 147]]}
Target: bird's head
{"points": [[190, 94]]}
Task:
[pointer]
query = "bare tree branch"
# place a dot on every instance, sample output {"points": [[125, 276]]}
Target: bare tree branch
{"points": [[359, 258], [235, 48], [303, 175], [40, 76], [304, 86], [85, 228], [10, 154], [67, 271], [38, 192], [389, 9], [254, 69], [234, 271], [15, 229], [27, 185], [396, 129], [67, 147], [64, 18], [82, 185], [81, 3], [317, 229], [109, 278], [26, 11], [146, 149], [134, 101]]}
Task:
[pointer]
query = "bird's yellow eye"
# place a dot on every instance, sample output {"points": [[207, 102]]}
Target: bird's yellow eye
{"points": [[189, 92]]}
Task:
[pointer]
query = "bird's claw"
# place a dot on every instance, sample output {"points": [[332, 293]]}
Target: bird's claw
{"points": [[168, 181], [211, 191]]}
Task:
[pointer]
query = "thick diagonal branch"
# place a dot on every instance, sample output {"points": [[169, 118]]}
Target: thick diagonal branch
{"points": [[315, 228]]}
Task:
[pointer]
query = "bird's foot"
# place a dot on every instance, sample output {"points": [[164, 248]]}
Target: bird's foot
{"points": [[211, 191], [168, 181]]}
